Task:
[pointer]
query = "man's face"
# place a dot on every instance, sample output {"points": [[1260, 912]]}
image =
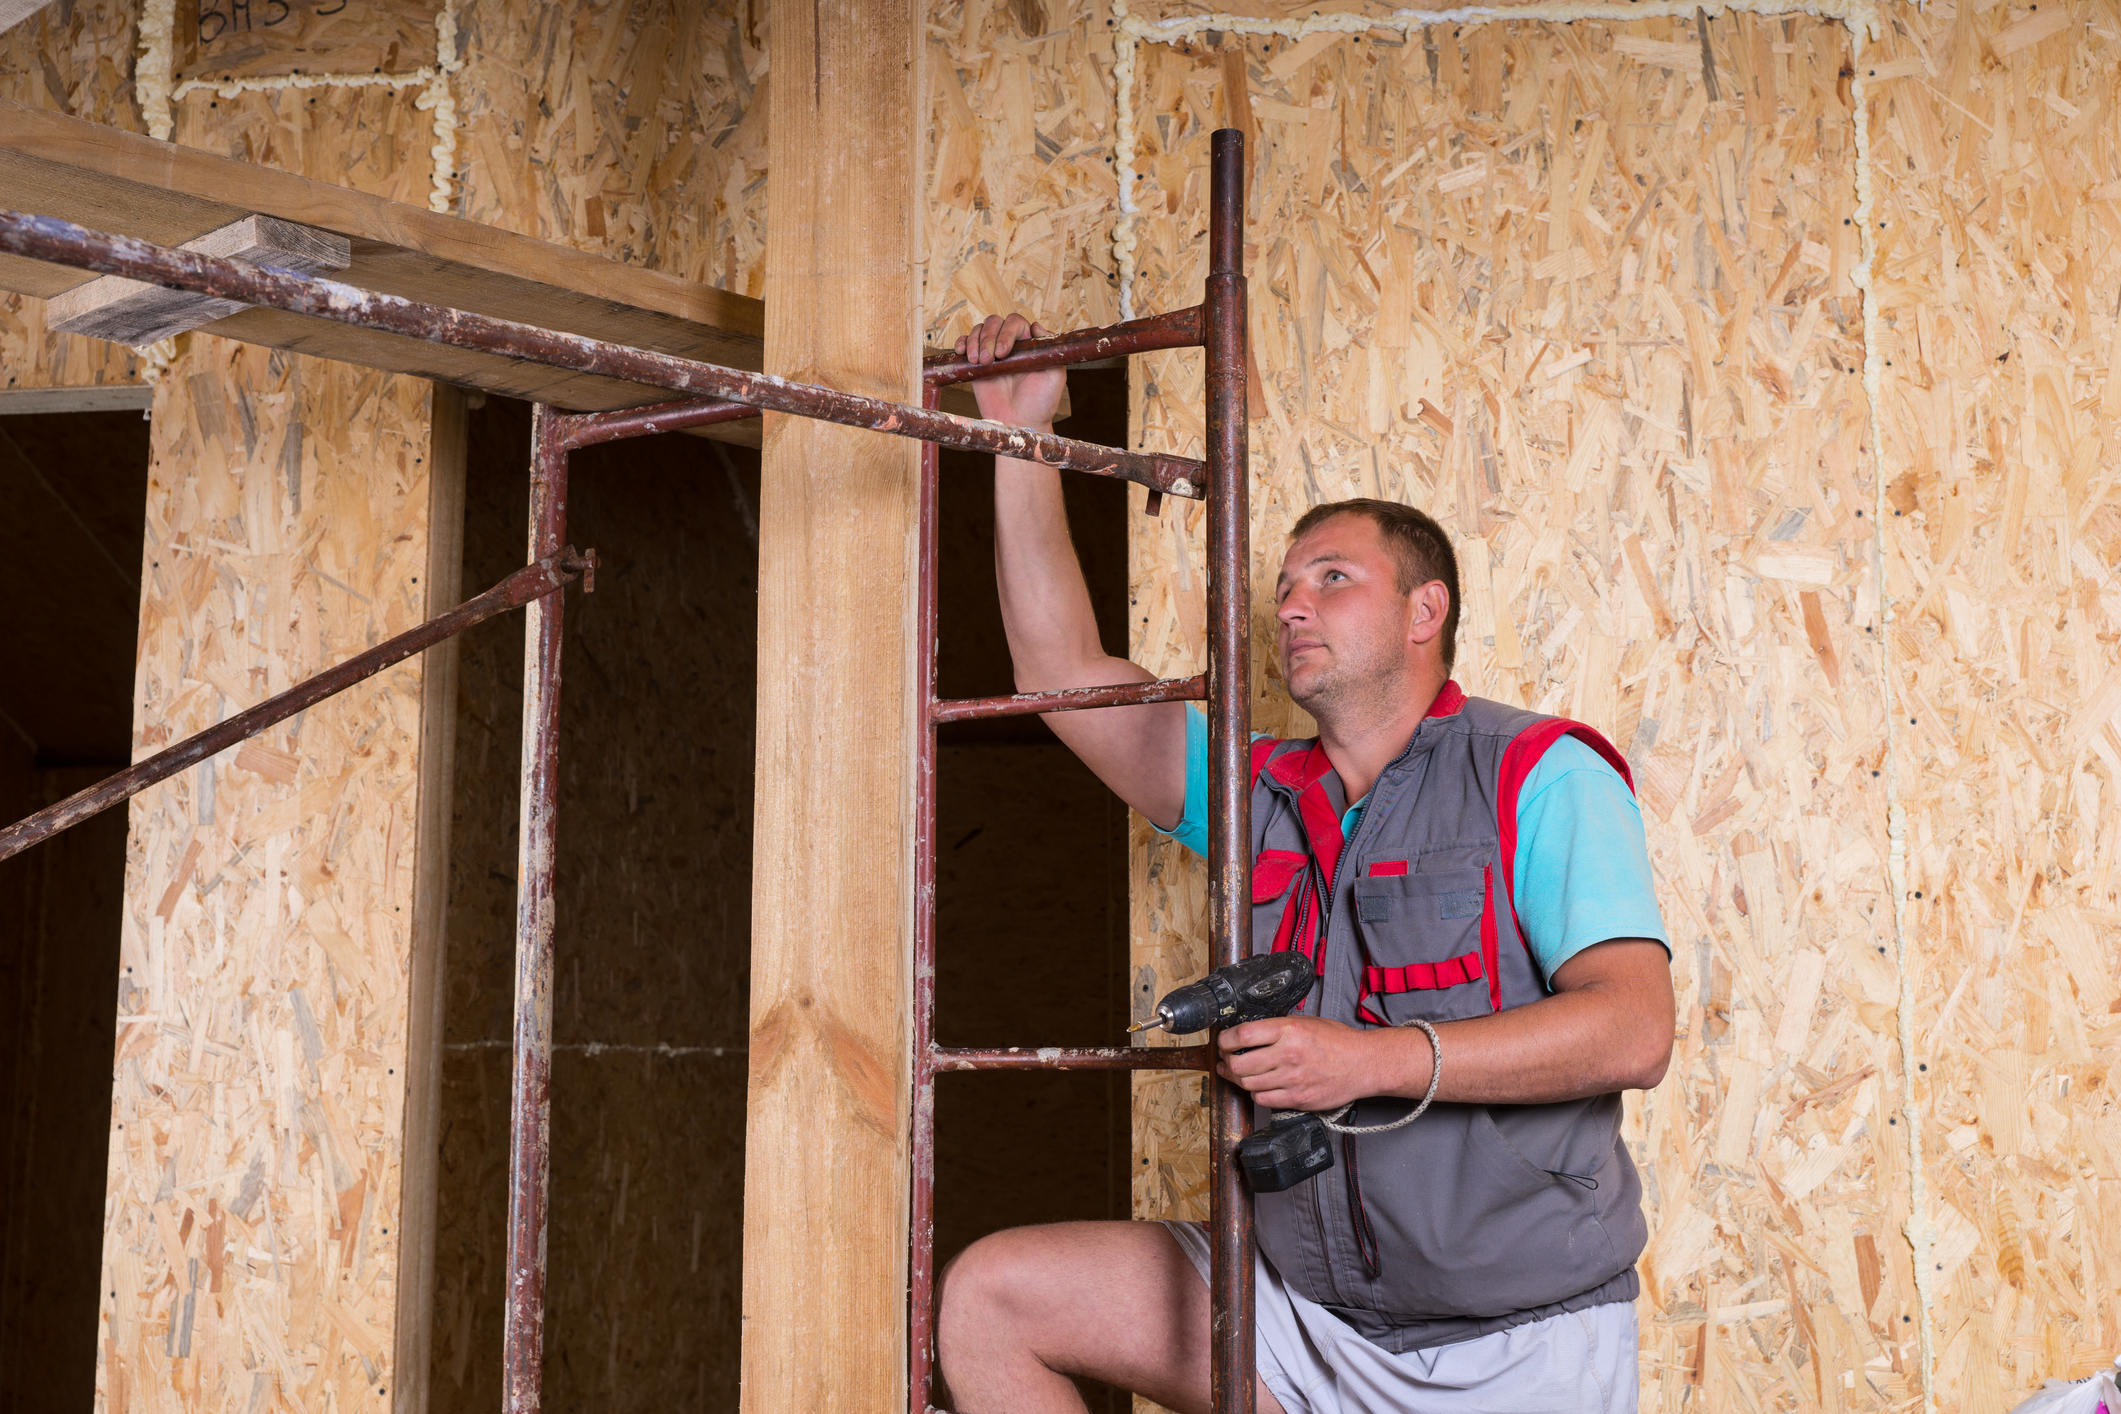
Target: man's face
{"points": [[1346, 630]]}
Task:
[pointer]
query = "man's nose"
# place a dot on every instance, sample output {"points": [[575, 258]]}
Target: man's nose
{"points": [[1294, 607]]}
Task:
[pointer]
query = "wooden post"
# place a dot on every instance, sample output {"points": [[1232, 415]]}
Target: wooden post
{"points": [[449, 444], [826, 1166]]}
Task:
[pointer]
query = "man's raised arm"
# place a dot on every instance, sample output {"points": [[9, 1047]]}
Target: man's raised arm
{"points": [[1140, 752]]}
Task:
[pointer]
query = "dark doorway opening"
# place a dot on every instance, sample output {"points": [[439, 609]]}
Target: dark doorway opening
{"points": [[651, 998], [651, 1002], [73, 496]]}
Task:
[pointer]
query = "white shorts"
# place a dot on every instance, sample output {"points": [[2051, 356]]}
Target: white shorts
{"points": [[1315, 1363]]}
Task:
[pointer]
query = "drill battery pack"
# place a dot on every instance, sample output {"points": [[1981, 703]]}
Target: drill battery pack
{"points": [[1288, 1151]]}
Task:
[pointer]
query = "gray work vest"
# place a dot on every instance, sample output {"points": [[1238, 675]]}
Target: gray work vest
{"points": [[1474, 1218]]}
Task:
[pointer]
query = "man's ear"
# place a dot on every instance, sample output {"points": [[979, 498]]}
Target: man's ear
{"points": [[1432, 605]]}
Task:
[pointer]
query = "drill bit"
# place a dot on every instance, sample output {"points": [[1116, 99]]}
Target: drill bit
{"points": [[1150, 1025]]}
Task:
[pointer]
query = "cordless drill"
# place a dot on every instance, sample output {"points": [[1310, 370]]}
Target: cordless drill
{"points": [[1294, 1147]]}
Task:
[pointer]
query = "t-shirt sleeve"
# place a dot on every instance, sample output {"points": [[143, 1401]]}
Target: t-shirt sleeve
{"points": [[1583, 864], [1192, 827]]}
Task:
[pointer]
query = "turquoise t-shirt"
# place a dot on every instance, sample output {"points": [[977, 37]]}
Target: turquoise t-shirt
{"points": [[1583, 865]]}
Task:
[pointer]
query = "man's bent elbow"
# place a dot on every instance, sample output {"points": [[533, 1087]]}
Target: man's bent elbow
{"points": [[1650, 1060]]}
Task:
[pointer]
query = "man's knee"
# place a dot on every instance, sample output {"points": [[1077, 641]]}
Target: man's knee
{"points": [[990, 1280]]}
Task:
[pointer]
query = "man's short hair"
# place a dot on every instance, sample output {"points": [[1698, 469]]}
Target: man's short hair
{"points": [[1417, 544]]}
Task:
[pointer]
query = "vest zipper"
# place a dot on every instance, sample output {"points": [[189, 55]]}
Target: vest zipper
{"points": [[1347, 845], [1358, 1215]]}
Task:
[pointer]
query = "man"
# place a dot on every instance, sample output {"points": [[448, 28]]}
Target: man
{"points": [[1449, 863]]}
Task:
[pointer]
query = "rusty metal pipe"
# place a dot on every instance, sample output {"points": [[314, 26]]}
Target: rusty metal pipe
{"points": [[1072, 699], [1229, 749], [586, 429], [1073, 1058], [920, 1254], [526, 585], [62, 242], [530, 1127], [1180, 329]]}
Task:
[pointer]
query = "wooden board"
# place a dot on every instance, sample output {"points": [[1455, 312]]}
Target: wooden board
{"points": [[257, 1159], [273, 896], [825, 1156], [635, 131], [132, 312], [113, 180], [428, 944], [2001, 400]]}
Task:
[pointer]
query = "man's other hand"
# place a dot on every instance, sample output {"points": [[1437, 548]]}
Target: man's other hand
{"points": [[1310, 1063], [1021, 399]]}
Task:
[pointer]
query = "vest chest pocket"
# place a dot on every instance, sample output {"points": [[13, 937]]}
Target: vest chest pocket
{"points": [[1275, 875], [1429, 945]]}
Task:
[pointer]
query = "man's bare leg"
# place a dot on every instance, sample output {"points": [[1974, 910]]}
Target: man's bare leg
{"points": [[1025, 1309]]}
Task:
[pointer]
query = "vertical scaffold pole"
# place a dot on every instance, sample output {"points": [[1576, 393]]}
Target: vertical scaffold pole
{"points": [[529, 1150], [920, 1273], [1229, 743]]}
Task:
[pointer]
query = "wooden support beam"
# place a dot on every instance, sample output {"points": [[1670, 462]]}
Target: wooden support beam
{"points": [[111, 180], [448, 454], [132, 312], [826, 1163], [118, 181]]}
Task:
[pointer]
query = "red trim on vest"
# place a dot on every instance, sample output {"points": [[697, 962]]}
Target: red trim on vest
{"points": [[1488, 943], [1518, 759], [1417, 977], [1273, 870], [1302, 771], [1388, 868]]}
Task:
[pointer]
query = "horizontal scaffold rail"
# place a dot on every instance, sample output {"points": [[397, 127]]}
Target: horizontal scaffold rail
{"points": [[1072, 1058], [533, 581], [60, 242], [1071, 699]]}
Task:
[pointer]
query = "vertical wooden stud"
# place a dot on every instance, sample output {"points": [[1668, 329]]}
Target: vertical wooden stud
{"points": [[826, 1162], [448, 446]]}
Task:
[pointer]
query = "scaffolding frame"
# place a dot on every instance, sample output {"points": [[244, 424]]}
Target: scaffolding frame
{"points": [[716, 394]]}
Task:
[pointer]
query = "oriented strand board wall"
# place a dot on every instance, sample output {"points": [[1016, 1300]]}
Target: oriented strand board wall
{"points": [[72, 58], [1998, 181], [1020, 183], [250, 1243], [637, 131], [257, 1203], [1535, 279], [1601, 321], [370, 139]]}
